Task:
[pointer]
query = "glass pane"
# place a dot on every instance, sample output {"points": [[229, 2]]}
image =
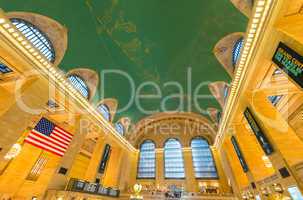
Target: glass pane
{"points": [[119, 128], [147, 160], [79, 85], [173, 159], [104, 110], [236, 51], [203, 162]]}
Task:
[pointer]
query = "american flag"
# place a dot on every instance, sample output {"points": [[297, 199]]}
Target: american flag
{"points": [[49, 137]]}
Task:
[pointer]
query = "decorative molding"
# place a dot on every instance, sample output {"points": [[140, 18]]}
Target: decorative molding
{"points": [[244, 6], [126, 123], [223, 51], [167, 124], [213, 114], [217, 89]]}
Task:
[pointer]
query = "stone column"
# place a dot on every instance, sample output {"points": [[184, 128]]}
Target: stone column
{"points": [[159, 167], [111, 175], [229, 172], [224, 187], [190, 180], [240, 176], [128, 171], [253, 155], [95, 160], [59, 181]]}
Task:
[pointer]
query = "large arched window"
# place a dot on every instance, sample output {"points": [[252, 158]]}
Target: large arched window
{"points": [[203, 161], [119, 128], [147, 160], [173, 159], [104, 110], [236, 51], [36, 37], [79, 85]]}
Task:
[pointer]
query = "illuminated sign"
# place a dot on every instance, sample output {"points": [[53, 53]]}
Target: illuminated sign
{"points": [[262, 139], [290, 62], [239, 154]]}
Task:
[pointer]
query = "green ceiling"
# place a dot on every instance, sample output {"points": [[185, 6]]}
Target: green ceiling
{"points": [[151, 40]]}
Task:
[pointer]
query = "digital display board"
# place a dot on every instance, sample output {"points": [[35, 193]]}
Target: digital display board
{"points": [[290, 62], [262, 139]]}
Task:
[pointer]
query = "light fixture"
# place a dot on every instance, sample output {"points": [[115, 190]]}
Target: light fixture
{"points": [[11, 30], [6, 25], [137, 189], [20, 38], [265, 191], [15, 34], [13, 152], [266, 161], [278, 187]]}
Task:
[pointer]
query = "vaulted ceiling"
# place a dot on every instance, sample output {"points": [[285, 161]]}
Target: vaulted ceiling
{"points": [[150, 40]]}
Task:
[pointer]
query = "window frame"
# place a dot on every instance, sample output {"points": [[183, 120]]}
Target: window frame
{"points": [[138, 165], [164, 167]]}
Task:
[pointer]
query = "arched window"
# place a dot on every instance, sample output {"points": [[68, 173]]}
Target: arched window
{"points": [[79, 85], [119, 128], [173, 159], [203, 161], [36, 37], [236, 51], [104, 110], [147, 160], [4, 69]]}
